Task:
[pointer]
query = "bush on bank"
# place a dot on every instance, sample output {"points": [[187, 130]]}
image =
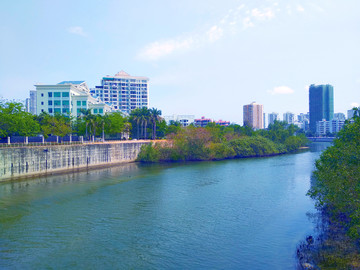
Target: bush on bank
{"points": [[215, 143], [336, 190]]}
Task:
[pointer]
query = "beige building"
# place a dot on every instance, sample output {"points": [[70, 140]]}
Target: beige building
{"points": [[253, 115]]}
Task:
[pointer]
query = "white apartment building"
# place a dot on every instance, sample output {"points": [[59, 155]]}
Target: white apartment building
{"points": [[123, 92], [272, 117], [332, 126], [289, 118], [184, 120], [67, 97]]}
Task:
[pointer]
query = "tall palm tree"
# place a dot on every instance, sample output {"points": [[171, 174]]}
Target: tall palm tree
{"points": [[86, 115], [135, 115], [154, 117]]}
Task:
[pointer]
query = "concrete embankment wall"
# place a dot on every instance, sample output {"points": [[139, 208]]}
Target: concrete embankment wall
{"points": [[39, 160]]}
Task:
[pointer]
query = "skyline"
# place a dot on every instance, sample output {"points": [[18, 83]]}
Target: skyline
{"points": [[224, 55]]}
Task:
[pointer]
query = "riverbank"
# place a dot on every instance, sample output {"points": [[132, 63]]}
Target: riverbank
{"points": [[33, 161], [193, 150]]}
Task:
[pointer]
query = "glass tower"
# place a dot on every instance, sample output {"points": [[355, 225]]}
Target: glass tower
{"points": [[321, 104]]}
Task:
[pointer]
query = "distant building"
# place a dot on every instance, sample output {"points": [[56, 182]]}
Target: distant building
{"points": [[350, 113], [222, 123], [184, 120], [339, 116], [303, 116], [27, 105], [123, 92], [321, 104], [202, 122], [67, 97], [333, 126], [289, 118], [30, 103], [273, 117], [253, 115]]}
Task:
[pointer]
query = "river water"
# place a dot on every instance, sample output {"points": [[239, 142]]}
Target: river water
{"points": [[232, 214]]}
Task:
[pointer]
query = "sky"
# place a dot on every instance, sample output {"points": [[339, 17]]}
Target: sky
{"points": [[204, 57]]}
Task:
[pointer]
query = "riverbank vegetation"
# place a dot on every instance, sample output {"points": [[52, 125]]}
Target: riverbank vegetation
{"points": [[140, 124], [215, 142], [336, 190]]}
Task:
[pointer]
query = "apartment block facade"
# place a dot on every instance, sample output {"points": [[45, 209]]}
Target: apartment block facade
{"points": [[321, 104], [253, 115], [69, 98], [123, 92]]}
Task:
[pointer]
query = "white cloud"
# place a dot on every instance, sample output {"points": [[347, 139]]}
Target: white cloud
{"points": [[300, 8], [354, 104], [215, 33], [159, 49], [264, 14], [77, 30], [247, 23], [235, 19], [281, 90]]}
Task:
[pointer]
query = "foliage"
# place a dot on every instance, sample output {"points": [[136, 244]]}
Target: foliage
{"points": [[58, 125], [143, 118], [14, 121], [149, 153], [337, 174], [216, 142]]}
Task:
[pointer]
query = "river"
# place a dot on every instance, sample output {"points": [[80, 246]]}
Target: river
{"points": [[231, 214]]}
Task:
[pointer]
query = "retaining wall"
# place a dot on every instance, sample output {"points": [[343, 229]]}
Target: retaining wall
{"points": [[30, 161]]}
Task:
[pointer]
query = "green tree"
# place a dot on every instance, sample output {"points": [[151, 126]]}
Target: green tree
{"points": [[154, 118], [14, 121], [58, 125]]}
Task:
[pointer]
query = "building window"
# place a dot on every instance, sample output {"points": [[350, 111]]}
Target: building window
{"points": [[56, 94], [42, 103], [57, 110], [65, 94], [50, 110], [78, 111], [65, 110], [65, 103], [101, 110], [42, 110], [78, 103], [50, 102], [95, 110], [57, 102], [84, 103], [42, 94], [50, 94]]}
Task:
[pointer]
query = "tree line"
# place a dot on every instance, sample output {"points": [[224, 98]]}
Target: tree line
{"points": [[215, 142], [142, 123], [336, 191]]}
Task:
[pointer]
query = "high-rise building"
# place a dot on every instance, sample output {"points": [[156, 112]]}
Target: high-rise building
{"points": [[253, 115], [31, 103], [321, 104], [289, 118], [339, 116], [69, 98], [123, 92], [272, 117]]}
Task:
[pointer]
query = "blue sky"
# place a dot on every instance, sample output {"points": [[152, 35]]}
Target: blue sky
{"points": [[206, 58]]}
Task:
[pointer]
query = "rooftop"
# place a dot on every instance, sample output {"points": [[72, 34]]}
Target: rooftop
{"points": [[71, 82]]}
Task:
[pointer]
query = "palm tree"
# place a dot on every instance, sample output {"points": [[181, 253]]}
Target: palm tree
{"points": [[135, 116], [144, 116], [87, 117], [154, 117]]}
